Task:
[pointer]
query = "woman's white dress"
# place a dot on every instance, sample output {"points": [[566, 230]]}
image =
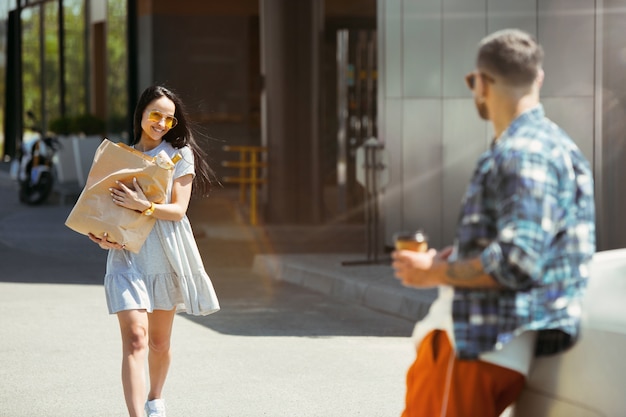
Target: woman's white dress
{"points": [[168, 271]]}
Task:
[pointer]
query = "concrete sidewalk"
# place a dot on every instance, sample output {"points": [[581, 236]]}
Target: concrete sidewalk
{"points": [[371, 286], [274, 350]]}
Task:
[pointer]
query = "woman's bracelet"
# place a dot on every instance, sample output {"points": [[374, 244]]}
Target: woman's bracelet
{"points": [[149, 210]]}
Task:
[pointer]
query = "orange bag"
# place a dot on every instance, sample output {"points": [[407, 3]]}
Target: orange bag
{"points": [[96, 213]]}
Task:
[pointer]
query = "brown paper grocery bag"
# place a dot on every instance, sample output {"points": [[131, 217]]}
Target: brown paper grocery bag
{"points": [[96, 213]]}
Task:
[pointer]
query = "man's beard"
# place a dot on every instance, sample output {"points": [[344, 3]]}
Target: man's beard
{"points": [[481, 107]]}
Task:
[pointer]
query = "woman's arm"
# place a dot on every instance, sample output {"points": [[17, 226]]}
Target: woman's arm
{"points": [[135, 199]]}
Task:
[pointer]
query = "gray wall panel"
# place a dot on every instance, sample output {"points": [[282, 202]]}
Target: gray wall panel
{"points": [[612, 105], [441, 135], [575, 116], [392, 61], [506, 14], [145, 52], [464, 139], [463, 26], [421, 49], [391, 200], [421, 166], [380, 65], [567, 32]]}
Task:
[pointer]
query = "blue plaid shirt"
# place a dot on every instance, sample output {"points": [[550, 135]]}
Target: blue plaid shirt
{"points": [[529, 215]]}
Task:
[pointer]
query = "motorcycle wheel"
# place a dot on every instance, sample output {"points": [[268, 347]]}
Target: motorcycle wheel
{"points": [[34, 194]]}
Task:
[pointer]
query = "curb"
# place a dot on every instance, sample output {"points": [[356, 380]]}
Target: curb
{"points": [[372, 286]]}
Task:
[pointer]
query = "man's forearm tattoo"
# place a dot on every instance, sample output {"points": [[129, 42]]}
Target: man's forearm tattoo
{"points": [[462, 271]]}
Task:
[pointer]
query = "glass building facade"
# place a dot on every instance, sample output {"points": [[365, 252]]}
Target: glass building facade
{"points": [[63, 65], [312, 80]]}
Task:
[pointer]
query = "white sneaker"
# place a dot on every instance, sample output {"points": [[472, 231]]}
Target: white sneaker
{"points": [[155, 408]]}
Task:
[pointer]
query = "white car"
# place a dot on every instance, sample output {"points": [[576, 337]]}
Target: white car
{"points": [[588, 380]]}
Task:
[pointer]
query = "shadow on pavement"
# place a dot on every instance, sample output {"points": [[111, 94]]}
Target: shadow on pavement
{"points": [[256, 305], [36, 247], [36, 268], [253, 305]]}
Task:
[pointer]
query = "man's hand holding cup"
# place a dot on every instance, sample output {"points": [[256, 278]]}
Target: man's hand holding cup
{"points": [[412, 260]]}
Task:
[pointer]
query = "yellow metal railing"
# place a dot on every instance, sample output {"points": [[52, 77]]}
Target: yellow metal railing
{"points": [[249, 163]]}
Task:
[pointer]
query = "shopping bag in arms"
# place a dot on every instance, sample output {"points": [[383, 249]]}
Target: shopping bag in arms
{"points": [[96, 213]]}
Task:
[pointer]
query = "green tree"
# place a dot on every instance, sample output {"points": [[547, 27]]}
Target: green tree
{"points": [[76, 71], [117, 68], [31, 62]]}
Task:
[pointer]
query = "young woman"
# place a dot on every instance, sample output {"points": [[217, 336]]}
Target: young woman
{"points": [[146, 289]]}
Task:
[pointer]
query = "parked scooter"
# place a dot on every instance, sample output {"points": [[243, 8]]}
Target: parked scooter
{"points": [[34, 166]]}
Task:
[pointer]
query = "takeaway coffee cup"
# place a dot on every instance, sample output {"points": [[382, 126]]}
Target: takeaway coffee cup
{"points": [[415, 241]]}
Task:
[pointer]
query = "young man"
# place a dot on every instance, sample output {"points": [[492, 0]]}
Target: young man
{"points": [[511, 286]]}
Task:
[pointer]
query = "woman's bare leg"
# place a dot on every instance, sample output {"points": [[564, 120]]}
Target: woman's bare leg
{"points": [[159, 357], [134, 328]]}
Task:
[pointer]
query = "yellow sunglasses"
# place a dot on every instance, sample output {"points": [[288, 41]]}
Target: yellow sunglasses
{"points": [[156, 116]]}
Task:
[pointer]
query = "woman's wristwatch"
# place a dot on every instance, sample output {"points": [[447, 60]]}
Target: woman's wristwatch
{"points": [[149, 210]]}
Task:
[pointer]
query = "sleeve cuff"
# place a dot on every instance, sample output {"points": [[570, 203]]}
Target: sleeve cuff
{"points": [[491, 259]]}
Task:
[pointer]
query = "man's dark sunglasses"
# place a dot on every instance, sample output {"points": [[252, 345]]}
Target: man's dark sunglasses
{"points": [[470, 79]]}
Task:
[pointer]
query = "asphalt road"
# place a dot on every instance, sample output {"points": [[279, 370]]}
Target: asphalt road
{"points": [[273, 350]]}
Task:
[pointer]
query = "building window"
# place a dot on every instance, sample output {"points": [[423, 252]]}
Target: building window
{"points": [[75, 53], [117, 69]]}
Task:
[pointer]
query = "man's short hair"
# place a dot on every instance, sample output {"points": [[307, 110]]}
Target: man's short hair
{"points": [[512, 55]]}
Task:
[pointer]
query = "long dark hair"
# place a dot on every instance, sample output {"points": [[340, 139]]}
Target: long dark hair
{"points": [[179, 136]]}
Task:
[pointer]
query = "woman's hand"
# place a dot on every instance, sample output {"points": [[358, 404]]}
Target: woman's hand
{"points": [[130, 198], [104, 242]]}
